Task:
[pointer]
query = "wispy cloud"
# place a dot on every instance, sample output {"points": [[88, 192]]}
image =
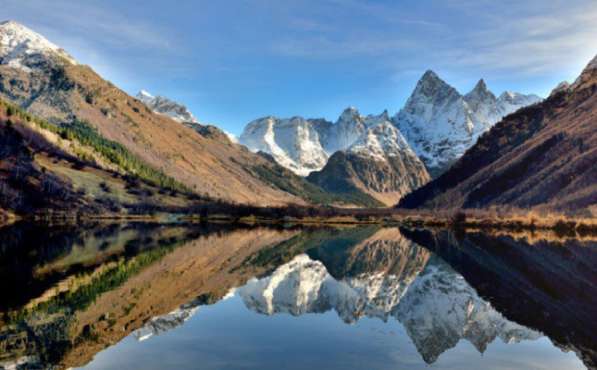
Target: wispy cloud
{"points": [[524, 38], [530, 43], [86, 20]]}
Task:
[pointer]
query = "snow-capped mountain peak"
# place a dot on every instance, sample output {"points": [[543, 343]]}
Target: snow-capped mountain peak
{"points": [[349, 114], [144, 95], [381, 141], [25, 49], [479, 94], [440, 124], [294, 142], [167, 107]]}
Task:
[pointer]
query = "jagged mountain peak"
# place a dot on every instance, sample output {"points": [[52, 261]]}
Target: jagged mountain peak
{"points": [[166, 106], [293, 142], [381, 141], [349, 113], [144, 95], [23, 48], [373, 119], [431, 85], [480, 93], [430, 75], [481, 85], [440, 124]]}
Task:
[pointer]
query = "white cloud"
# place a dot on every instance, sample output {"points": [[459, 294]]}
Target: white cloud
{"points": [[84, 20]]}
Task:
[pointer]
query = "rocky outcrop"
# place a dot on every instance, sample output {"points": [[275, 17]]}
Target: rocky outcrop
{"points": [[165, 106], [379, 164]]}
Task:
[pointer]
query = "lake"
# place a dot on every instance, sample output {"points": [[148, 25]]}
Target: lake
{"points": [[223, 296]]}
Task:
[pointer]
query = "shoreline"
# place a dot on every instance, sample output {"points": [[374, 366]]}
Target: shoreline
{"points": [[460, 221]]}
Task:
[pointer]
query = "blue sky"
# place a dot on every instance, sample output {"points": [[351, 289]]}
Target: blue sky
{"points": [[234, 61]]}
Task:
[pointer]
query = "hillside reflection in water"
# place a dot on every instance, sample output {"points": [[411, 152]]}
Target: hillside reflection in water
{"points": [[230, 297]]}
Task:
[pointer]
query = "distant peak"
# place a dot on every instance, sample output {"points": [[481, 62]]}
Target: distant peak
{"points": [[431, 78], [144, 94], [349, 113], [508, 95], [23, 47], [480, 93], [431, 85], [8, 22], [429, 75], [481, 85]]}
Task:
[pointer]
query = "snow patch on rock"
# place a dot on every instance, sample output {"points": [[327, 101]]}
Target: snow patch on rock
{"points": [[25, 49], [167, 107]]}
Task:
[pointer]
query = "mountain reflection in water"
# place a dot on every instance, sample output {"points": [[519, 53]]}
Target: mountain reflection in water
{"points": [[116, 296]]}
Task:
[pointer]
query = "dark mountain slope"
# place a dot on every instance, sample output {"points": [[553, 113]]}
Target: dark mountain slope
{"points": [[541, 157]]}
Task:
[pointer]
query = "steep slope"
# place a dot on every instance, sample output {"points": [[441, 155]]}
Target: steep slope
{"points": [[379, 164], [441, 124], [304, 145], [542, 157], [72, 170], [170, 108], [48, 83]]}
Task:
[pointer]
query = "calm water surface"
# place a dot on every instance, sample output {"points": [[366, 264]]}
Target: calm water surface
{"points": [[151, 296]]}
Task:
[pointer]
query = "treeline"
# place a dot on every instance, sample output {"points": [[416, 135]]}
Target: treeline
{"points": [[112, 151]]}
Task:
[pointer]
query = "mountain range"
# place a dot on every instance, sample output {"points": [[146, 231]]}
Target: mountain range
{"points": [[437, 121], [443, 149], [41, 78], [441, 124], [541, 157]]}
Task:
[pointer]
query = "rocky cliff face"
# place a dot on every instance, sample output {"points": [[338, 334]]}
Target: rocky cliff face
{"points": [[540, 157], [294, 143], [305, 145], [170, 108], [379, 163], [441, 124], [437, 121]]}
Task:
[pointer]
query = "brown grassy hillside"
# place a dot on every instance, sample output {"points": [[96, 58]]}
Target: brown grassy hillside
{"points": [[46, 171], [64, 92]]}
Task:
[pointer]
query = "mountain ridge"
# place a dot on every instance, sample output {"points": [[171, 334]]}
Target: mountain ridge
{"points": [[201, 158], [540, 157]]}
